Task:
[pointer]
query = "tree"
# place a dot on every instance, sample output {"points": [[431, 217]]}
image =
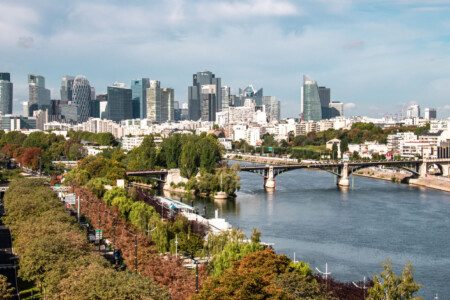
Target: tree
{"points": [[144, 156], [189, 160], [392, 286], [209, 153], [141, 214], [6, 290], [334, 151], [171, 148]]}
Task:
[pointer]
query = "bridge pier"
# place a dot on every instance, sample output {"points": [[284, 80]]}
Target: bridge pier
{"points": [[423, 168], [446, 170], [343, 179], [269, 179]]}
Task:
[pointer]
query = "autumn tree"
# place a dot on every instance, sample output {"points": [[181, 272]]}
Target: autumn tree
{"points": [[6, 290]]}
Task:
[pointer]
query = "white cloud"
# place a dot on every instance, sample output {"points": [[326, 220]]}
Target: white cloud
{"points": [[349, 105], [216, 10]]}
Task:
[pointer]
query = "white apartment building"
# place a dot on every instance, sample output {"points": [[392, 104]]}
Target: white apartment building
{"points": [[368, 149], [131, 142], [251, 134], [394, 140], [410, 149]]}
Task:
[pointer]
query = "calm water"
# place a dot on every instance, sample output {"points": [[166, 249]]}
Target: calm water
{"points": [[352, 231]]}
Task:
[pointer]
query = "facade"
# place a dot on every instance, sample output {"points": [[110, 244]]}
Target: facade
{"points": [[139, 97], [310, 101], [131, 142], [119, 105], [430, 113], [154, 102], [6, 94], [195, 98], [81, 97], [394, 141], [66, 88], [13, 122], [39, 96], [167, 105]]}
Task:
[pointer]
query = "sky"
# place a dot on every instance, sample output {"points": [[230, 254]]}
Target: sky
{"points": [[377, 56]]}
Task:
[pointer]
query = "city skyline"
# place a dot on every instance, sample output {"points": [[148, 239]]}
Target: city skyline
{"points": [[376, 58]]}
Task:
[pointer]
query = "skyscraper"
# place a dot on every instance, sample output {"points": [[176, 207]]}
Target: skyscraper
{"points": [[6, 94], [167, 105], [272, 106], [251, 93], [195, 98], [39, 96], [413, 111], [226, 97], [81, 97], [154, 102], [139, 97], [325, 98], [66, 88], [336, 109], [119, 106], [311, 109], [209, 102], [430, 113]]}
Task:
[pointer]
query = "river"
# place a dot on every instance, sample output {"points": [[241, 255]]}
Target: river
{"points": [[353, 231]]}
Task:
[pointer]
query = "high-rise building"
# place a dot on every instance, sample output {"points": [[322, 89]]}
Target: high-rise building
{"points": [[66, 88], [154, 102], [119, 106], [311, 109], [167, 105], [6, 94], [195, 98], [430, 113], [413, 111], [39, 96], [209, 102], [272, 106], [226, 97], [325, 98], [139, 97], [250, 93], [336, 109], [81, 97]]}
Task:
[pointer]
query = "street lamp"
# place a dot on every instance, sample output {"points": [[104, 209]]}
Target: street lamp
{"points": [[326, 273], [363, 287]]}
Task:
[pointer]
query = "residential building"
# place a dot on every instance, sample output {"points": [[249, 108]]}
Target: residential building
{"points": [[311, 109], [119, 106], [131, 142], [6, 94], [394, 141], [139, 97]]}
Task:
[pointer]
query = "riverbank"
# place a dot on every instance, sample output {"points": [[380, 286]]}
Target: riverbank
{"points": [[433, 182]]}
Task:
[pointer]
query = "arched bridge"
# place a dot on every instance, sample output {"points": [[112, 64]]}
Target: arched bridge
{"points": [[344, 169]]}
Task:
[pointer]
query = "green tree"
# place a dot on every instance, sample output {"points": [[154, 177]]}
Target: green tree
{"points": [[392, 286], [171, 148], [141, 215], [189, 160], [144, 156], [334, 151]]}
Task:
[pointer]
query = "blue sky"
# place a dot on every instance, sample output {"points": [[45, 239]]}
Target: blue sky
{"points": [[376, 56]]}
